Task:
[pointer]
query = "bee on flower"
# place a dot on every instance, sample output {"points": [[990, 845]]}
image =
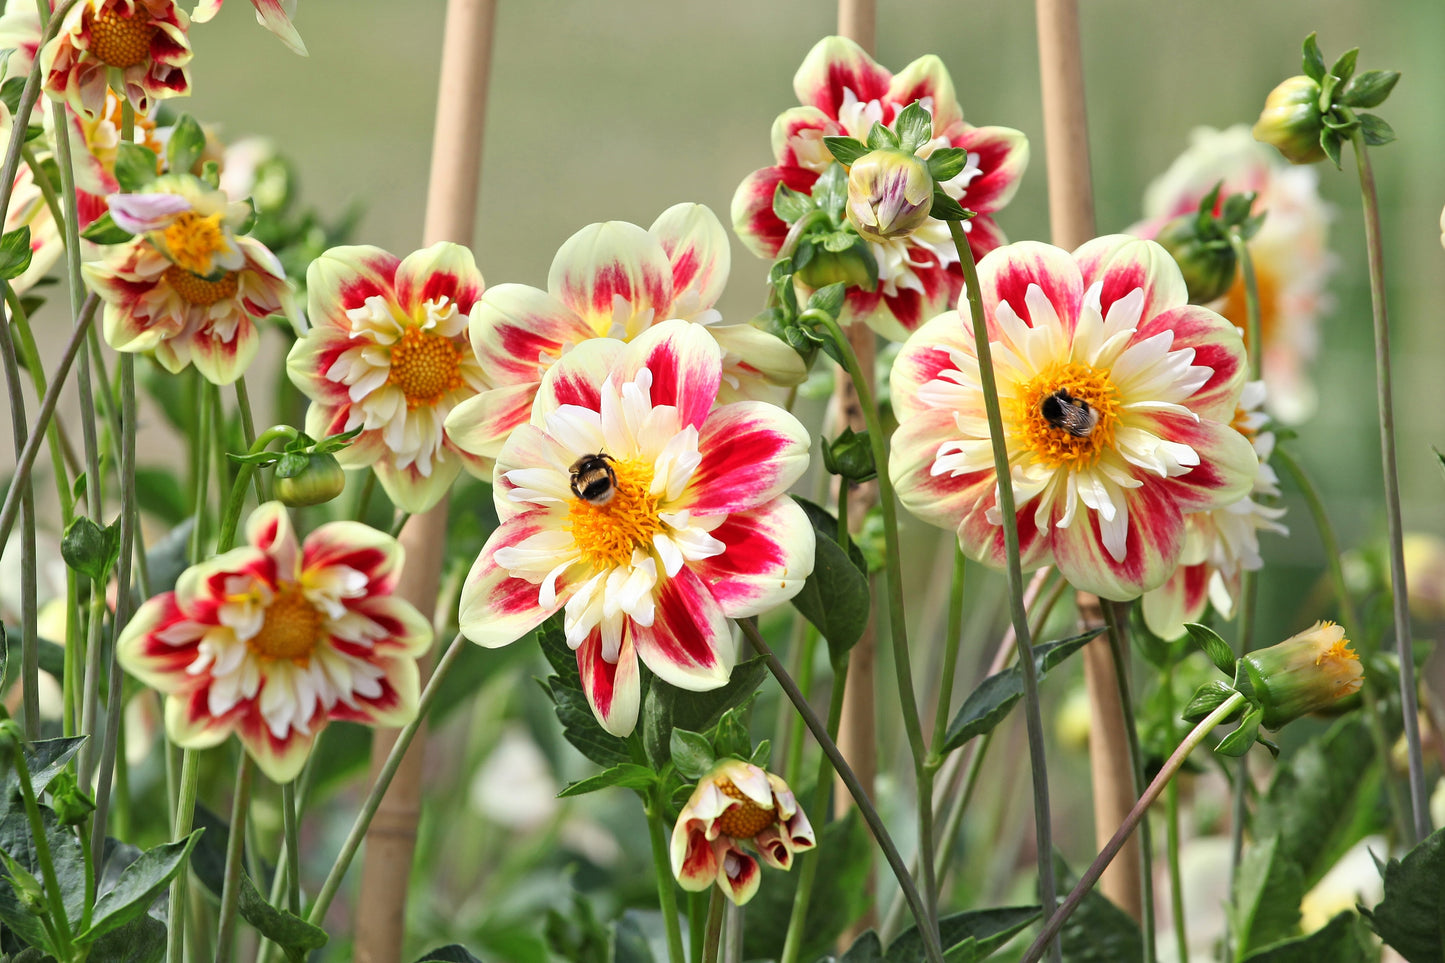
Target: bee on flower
{"points": [[645, 514], [275, 639], [735, 804], [187, 287], [144, 39]]}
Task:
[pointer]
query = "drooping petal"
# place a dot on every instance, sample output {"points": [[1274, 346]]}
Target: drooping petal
{"points": [[614, 690], [222, 360], [697, 248], [751, 453], [688, 644], [281, 759], [614, 276], [1182, 598], [275, 18], [416, 491], [694, 864], [768, 556], [1153, 543], [738, 873], [836, 64]]}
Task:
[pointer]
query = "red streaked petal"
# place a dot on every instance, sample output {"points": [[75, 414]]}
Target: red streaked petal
{"points": [[686, 366], [751, 453], [612, 273], [768, 556], [577, 378], [688, 643], [927, 79], [739, 873], [1217, 345], [481, 424], [1123, 264], [924, 357], [1182, 598], [496, 609], [613, 691], [1006, 273], [1228, 463], [694, 864], [696, 245], [1003, 157], [1152, 546], [444, 270], [752, 209], [833, 65], [343, 278]]}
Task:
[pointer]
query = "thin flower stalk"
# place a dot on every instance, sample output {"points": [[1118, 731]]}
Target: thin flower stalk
{"points": [[29, 633], [712, 939], [1171, 842], [1409, 702], [188, 785], [666, 891], [235, 844], [1115, 614], [1055, 921], [1038, 764]]}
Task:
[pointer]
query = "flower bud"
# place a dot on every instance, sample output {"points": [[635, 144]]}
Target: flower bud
{"points": [[1208, 267], [1305, 673], [889, 194], [319, 479], [854, 267], [1292, 121]]}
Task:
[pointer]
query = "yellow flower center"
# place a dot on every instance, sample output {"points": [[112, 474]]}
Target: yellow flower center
{"points": [[745, 820], [1053, 443], [1241, 423], [292, 627], [1234, 304], [194, 289], [607, 534], [425, 366], [193, 239], [120, 40]]}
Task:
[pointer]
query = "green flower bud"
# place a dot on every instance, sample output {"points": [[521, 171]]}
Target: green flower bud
{"points": [[314, 478], [854, 267], [1208, 265], [1292, 121], [1305, 673], [889, 194]]}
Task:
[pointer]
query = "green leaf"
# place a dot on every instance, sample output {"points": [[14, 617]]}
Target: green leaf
{"points": [[1411, 917], [580, 727], [10, 92], [1344, 939], [945, 163], [1369, 89], [90, 549], [666, 707], [1267, 893], [187, 143], [828, 299], [139, 885], [1216, 648], [1330, 144], [1325, 799], [104, 230], [691, 753], [790, 205], [1344, 67], [1238, 742], [881, 138], [1314, 61], [15, 252], [628, 775], [452, 953], [845, 150], [835, 597], [988, 705], [732, 737], [47, 758], [1376, 130], [946, 208], [865, 949], [988, 930], [1098, 931], [142, 940], [830, 190], [1208, 697], [135, 166], [283, 928], [914, 127]]}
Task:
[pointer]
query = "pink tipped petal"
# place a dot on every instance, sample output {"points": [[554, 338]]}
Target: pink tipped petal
{"points": [[897, 316], [697, 248], [1217, 346], [343, 278], [614, 275], [1228, 463], [397, 703], [927, 79], [924, 357], [1003, 156], [189, 724], [937, 499], [480, 424], [443, 272], [797, 137], [613, 690], [1006, 274], [497, 609], [358, 547], [273, 16], [280, 759], [738, 873], [752, 209], [836, 64], [769, 554], [1124, 264], [686, 366], [1182, 598], [269, 529], [205, 10], [577, 379], [139, 213], [1152, 546], [751, 453], [518, 332], [688, 644]]}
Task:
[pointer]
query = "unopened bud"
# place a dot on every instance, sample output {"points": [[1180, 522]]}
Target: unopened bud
{"points": [[889, 194], [1292, 121], [308, 478], [854, 267], [1305, 673], [1208, 264]]}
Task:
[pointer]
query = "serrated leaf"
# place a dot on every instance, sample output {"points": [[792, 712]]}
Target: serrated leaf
{"points": [[1369, 89], [1264, 908], [285, 929], [135, 166], [1098, 931], [1344, 939], [1314, 61], [15, 253], [1213, 646], [988, 705], [1238, 742], [138, 887], [666, 707], [1344, 67], [835, 596], [914, 127], [987, 929], [1375, 130], [945, 163], [185, 146], [845, 150], [627, 775], [1411, 917]]}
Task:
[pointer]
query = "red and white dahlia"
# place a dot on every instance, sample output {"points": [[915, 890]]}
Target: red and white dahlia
{"points": [[612, 280], [687, 525], [734, 804], [844, 93], [1117, 398], [144, 39], [1292, 262], [388, 353], [273, 640]]}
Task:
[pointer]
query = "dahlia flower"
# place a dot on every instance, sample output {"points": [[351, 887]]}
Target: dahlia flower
{"points": [[145, 39], [1117, 398], [1292, 262], [273, 640], [645, 514], [844, 93], [612, 280], [388, 353], [734, 804]]}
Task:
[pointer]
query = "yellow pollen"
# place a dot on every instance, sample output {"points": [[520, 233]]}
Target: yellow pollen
{"points": [[746, 820], [1235, 310], [1056, 446], [120, 40], [194, 289], [607, 534], [192, 240], [425, 367], [1241, 423], [292, 627]]}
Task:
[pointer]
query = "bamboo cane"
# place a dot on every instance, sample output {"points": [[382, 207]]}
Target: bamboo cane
{"points": [[1071, 216], [450, 216]]}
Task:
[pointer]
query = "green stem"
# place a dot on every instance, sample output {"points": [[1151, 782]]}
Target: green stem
{"points": [[248, 429], [61, 457], [953, 641], [29, 631], [1171, 803], [931, 944], [1056, 920], [802, 646], [1409, 703], [666, 892], [1251, 303], [53, 894], [716, 907], [1038, 764], [231, 518], [1119, 647], [1240, 800], [235, 846], [363, 499], [185, 814], [289, 820], [323, 899], [201, 469], [399, 523]]}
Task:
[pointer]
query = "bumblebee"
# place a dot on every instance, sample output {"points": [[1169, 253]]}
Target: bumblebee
{"points": [[1074, 415], [593, 479]]}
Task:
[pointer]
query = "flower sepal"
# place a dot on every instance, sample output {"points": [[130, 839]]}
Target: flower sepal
{"points": [[1200, 242], [850, 456]]}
